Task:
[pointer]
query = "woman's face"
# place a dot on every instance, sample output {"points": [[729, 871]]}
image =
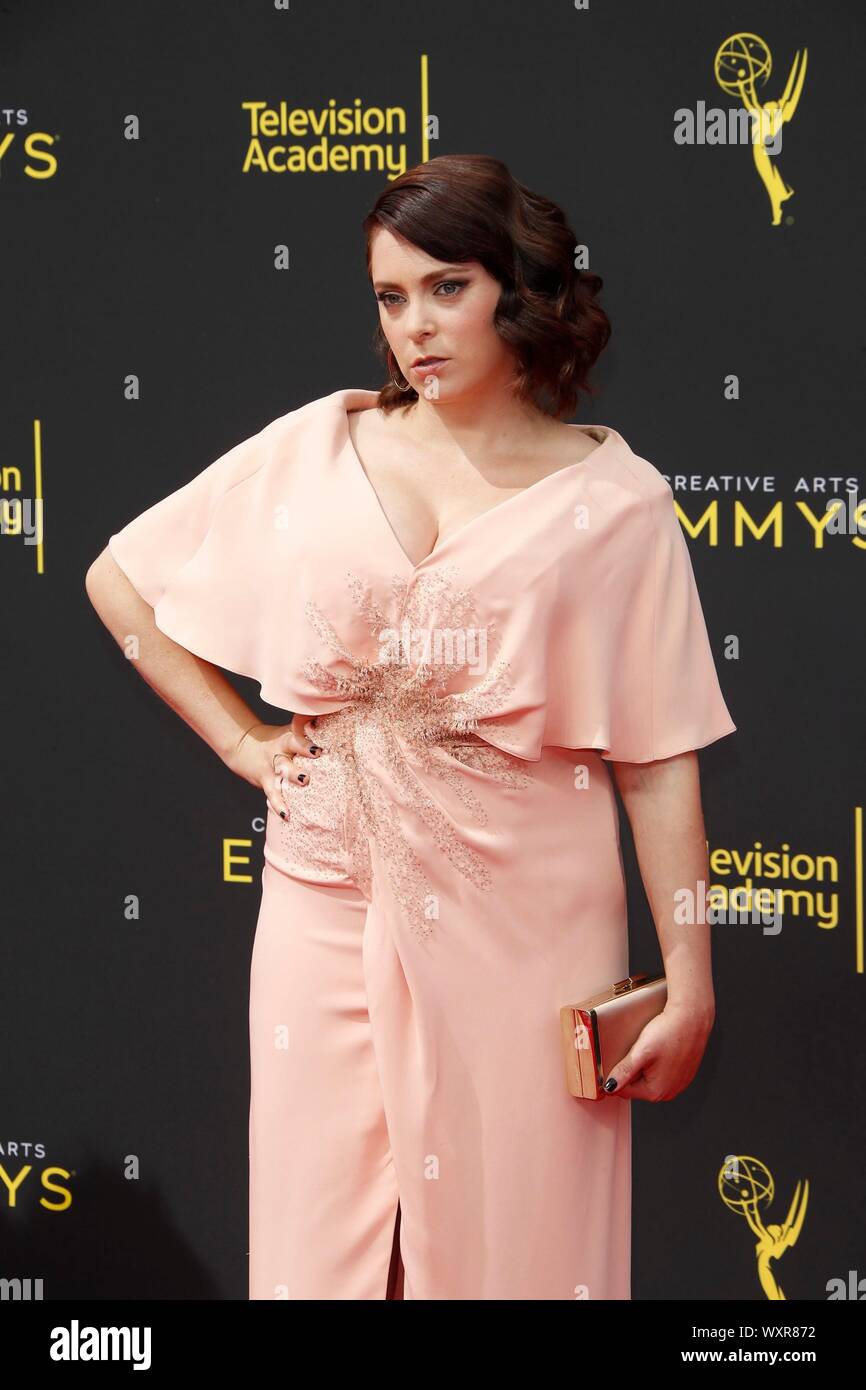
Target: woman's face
{"points": [[430, 308]]}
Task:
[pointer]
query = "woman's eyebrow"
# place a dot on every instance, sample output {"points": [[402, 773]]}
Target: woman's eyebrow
{"points": [[425, 279]]}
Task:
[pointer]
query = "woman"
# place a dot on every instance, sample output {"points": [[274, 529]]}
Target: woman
{"points": [[480, 611]]}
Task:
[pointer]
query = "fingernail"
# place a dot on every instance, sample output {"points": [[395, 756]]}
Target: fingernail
{"points": [[302, 776], [283, 814], [314, 748], [610, 1084]]}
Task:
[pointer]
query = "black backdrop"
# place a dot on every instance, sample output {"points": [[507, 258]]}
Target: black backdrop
{"points": [[123, 1124]]}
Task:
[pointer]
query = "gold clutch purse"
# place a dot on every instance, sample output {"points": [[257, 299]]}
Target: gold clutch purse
{"points": [[598, 1032]]}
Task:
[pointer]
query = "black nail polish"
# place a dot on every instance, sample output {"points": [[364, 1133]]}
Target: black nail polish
{"points": [[610, 1084], [302, 776], [314, 748], [283, 814]]}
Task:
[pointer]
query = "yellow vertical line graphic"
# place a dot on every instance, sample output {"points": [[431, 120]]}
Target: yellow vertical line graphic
{"points": [[37, 459], [425, 149], [858, 884]]}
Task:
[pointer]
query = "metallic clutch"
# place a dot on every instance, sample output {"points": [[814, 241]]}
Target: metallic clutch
{"points": [[598, 1032]]}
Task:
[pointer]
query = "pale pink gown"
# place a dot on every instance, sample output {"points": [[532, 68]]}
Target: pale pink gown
{"points": [[452, 874]]}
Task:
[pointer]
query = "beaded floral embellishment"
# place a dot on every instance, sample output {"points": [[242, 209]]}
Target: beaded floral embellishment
{"points": [[398, 716]]}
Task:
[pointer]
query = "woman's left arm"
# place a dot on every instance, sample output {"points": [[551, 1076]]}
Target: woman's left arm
{"points": [[663, 803]]}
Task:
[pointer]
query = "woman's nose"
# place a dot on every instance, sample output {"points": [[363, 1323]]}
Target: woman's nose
{"points": [[419, 323]]}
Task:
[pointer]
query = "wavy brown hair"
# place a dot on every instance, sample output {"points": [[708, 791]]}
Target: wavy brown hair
{"points": [[469, 207]]}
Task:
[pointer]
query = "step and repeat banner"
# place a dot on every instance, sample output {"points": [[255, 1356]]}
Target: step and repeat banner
{"points": [[182, 189]]}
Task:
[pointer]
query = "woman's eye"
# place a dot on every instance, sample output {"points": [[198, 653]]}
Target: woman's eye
{"points": [[387, 297]]}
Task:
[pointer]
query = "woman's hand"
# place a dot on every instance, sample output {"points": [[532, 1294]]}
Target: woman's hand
{"points": [[665, 1055], [269, 752]]}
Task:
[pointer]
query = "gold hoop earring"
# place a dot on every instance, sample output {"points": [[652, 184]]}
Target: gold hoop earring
{"points": [[408, 386]]}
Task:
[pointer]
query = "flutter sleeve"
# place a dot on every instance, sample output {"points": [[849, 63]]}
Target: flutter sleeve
{"points": [[687, 705], [638, 672], [208, 558], [154, 547]]}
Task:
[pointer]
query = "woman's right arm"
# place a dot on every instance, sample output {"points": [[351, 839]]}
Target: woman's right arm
{"points": [[194, 688]]}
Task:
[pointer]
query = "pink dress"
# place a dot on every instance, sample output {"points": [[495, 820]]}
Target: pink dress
{"points": [[452, 874]]}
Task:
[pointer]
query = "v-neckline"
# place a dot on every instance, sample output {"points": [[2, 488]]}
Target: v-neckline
{"points": [[570, 468]]}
